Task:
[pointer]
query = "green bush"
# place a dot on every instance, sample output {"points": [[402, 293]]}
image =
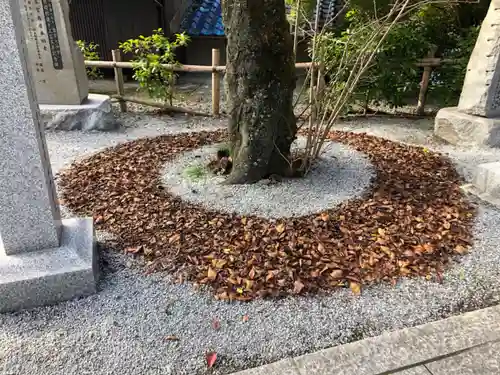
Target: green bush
{"points": [[447, 80], [393, 74], [149, 55], [307, 9], [394, 78], [90, 53]]}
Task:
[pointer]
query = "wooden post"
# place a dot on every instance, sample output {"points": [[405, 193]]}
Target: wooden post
{"points": [[120, 86], [320, 83], [215, 83], [424, 85]]}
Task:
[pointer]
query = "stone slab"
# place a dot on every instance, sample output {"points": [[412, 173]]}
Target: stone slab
{"points": [[487, 179], [95, 113], [484, 360], [486, 183], [284, 367], [471, 189], [45, 277], [29, 215], [58, 64], [405, 348], [463, 129], [481, 89], [420, 370]]}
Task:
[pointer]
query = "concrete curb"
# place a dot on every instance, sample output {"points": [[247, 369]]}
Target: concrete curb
{"points": [[404, 350]]}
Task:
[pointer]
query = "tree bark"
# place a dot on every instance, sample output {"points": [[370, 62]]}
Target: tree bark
{"points": [[260, 80]]}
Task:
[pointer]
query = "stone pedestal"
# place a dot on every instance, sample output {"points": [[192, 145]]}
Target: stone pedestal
{"points": [[58, 66], [51, 275], [463, 129], [477, 118], [43, 259], [95, 113], [486, 183]]}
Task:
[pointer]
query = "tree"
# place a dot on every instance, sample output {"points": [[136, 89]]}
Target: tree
{"points": [[260, 81]]}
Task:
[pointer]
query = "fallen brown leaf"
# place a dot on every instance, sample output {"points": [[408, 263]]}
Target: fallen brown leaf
{"points": [[212, 274], [251, 274], [355, 288], [133, 250], [460, 249], [211, 357], [172, 338], [297, 286], [337, 274], [216, 324]]}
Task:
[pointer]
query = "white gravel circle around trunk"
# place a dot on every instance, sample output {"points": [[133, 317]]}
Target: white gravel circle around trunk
{"points": [[341, 174]]}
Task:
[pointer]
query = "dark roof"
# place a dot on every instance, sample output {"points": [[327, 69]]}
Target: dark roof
{"points": [[204, 19]]}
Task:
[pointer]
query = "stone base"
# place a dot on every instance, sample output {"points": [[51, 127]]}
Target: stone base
{"points": [[52, 275], [94, 114], [462, 129], [486, 183]]}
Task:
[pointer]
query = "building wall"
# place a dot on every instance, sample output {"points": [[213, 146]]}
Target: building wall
{"points": [[110, 22], [199, 51]]}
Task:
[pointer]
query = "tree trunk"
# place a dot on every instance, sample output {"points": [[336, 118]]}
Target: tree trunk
{"points": [[260, 80]]}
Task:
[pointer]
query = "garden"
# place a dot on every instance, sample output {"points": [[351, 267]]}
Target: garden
{"points": [[305, 216]]}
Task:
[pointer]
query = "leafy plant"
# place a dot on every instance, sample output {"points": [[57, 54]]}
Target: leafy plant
{"points": [[392, 74], [373, 59], [447, 80], [150, 55], [305, 8], [393, 77], [90, 53], [195, 172]]}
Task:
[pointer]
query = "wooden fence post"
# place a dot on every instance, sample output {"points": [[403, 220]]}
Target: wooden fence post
{"points": [[120, 85], [215, 83], [426, 76]]}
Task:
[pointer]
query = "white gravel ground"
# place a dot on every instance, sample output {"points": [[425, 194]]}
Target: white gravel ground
{"points": [[121, 329], [341, 174]]}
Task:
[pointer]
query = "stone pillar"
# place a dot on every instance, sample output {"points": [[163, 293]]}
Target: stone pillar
{"points": [[42, 259], [53, 53], [476, 120]]}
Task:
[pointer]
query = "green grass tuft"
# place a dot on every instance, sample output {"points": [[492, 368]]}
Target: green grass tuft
{"points": [[195, 172], [223, 151]]}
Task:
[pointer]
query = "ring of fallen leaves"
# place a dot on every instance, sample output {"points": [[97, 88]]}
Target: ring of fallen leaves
{"points": [[411, 223]]}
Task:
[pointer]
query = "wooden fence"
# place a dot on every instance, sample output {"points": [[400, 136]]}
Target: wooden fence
{"points": [[427, 63]]}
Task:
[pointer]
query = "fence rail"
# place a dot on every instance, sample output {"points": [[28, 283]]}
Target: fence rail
{"points": [[427, 63]]}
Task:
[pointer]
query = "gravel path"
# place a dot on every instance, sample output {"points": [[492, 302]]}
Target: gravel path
{"points": [[341, 174], [122, 329]]}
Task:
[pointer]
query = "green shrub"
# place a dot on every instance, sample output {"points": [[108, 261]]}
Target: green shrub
{"points": [[90, 53], [149, 55], [447, 80], [394, 78]]}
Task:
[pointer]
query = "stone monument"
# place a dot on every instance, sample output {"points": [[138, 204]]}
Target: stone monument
{"points": [[476, 120], [53, 53], [43, 259], [58, 70]]}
